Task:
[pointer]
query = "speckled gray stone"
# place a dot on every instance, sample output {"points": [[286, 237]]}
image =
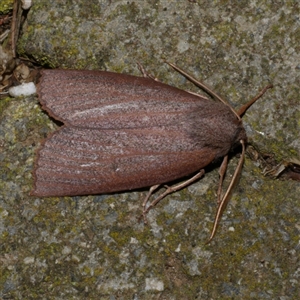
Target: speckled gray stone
{"points": [[93, 247]]}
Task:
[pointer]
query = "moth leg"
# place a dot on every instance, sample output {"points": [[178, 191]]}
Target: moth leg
{"points": [[227, 196], [222, 172], [146, 74], [169, 190], [151, 190]]}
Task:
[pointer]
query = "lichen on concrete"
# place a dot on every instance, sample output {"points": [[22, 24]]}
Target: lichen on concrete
{"points": [[6, 6], [93, 247]]}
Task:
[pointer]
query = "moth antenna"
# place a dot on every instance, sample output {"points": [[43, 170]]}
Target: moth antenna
{"points": [[223, 203], [204, 87], [244, 108]]}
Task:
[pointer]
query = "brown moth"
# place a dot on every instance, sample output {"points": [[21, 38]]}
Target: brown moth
{"points": [[123, 132]]}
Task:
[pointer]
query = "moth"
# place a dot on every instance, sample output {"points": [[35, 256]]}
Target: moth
{"points": [[123, 132]]}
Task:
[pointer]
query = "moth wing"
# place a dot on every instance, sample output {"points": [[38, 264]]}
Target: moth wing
{"points": [[106, 100], [79, 161]]}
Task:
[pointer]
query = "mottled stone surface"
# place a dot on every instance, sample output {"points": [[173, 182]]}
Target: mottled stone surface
{"points": [[93, 247], [6, 6]]}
